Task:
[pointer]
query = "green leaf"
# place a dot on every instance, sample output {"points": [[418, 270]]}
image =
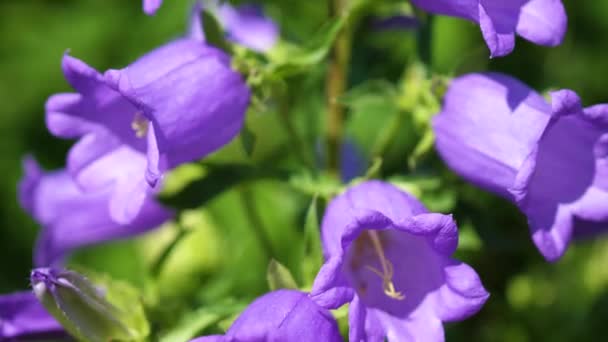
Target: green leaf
{"points": [[376, 88], [374, 170], [248, 140], [214, 34], [279, 277], [215, 179], [195, 322], [424, 146], [321, 185], [312, 259], [288, 59]]}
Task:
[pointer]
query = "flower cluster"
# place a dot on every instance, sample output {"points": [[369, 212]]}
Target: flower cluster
{"points": [[385, 254]]}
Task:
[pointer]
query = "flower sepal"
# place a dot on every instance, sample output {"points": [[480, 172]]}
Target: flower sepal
{"points": [[111, 312]]}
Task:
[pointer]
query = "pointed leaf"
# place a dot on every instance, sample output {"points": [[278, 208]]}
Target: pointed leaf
{"points": [[214, 34], [312, 253], [279, 277]]}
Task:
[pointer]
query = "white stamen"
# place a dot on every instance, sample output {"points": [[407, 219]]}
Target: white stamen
{"points": [[387, 268]]}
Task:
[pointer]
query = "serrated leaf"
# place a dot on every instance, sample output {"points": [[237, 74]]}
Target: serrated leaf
{"points": [[279, 277]]}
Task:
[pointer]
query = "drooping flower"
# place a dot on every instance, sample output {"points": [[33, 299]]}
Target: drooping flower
{"points": [[23, 318], [176, 104], [151, 6], [282, 315], [390, 258], [550, 159], [543, 22], [72, 218]]}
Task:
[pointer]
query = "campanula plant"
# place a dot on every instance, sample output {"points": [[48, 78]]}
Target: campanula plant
{"points": [[270, 171]]}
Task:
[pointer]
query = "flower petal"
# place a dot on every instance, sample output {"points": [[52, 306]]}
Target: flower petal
{"points": [[60, 118], [80, 75], [284, 315], [551, 230], [498, 34], [463, 295], [362, 327], [248, 26], [22, 317], [543, 22], [151, 6], [488, 126]]}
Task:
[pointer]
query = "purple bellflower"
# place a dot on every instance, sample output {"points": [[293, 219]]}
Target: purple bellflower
{"points": [[282, 315], [542, 22], [151, 6], [550, 159], [23, 318], [390, 258], [176, 104], [71, 218]]}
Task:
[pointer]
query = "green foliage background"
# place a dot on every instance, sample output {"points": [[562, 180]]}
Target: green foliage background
{"points": [[221, 265]]}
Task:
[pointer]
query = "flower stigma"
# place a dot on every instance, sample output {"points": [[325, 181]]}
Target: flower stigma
{"points": [[387, 272], [140, 125]]}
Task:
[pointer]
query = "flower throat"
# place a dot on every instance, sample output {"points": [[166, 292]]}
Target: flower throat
{"points": [[387, 272]]}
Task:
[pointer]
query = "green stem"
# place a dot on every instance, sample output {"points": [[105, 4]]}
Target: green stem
{"points": [[164, 256], [255, 221], [388, 135], [425, 39], [336, 85], [294, 136]]}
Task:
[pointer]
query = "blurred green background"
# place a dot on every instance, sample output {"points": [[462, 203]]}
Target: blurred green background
{"points": [[531, 299]]}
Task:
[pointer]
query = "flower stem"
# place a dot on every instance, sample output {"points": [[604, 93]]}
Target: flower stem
{"points": [[424, 40], [388, 135], [295, 138], [255, 221], [164, 256], [336, 85]]}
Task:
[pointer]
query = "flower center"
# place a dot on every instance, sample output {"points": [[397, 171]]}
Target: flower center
{"points": [[387, 271], [140, 125]]}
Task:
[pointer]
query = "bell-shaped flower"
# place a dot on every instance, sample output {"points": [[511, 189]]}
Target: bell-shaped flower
{"points": [[542, 22], [282, 315], [391, 259], [23, 318], [176, 104], [72, 218], [151, 6], [549, 159]]}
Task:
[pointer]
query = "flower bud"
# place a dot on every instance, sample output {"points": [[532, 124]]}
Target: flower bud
{"points": [[83, 309]]}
